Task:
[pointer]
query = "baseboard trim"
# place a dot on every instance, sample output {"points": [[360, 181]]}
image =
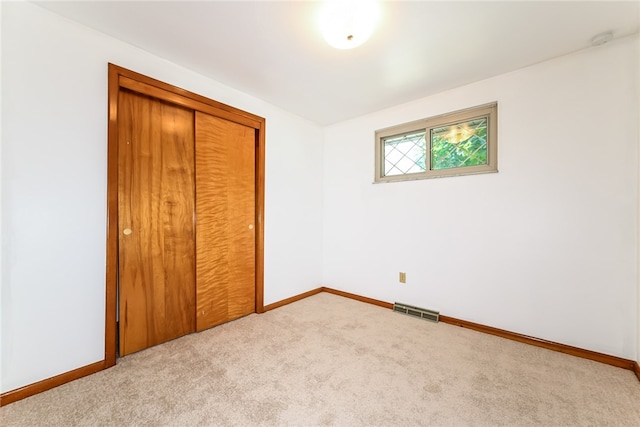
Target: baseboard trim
{"points": [[49, 383], [292, 299], [538, 342], [358, 298]]}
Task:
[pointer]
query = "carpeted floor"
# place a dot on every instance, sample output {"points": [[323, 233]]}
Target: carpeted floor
{"points": [[328, 360]]}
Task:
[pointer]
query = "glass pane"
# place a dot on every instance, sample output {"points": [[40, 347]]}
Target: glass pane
{"points": [[406, 153], [461, 144]]}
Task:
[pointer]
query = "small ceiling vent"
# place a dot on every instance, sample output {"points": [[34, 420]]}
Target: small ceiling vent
{"points": [[422, 313]]}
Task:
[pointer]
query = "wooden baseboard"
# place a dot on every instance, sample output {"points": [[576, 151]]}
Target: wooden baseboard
{"points": [[358, 298], [49, 383], [292, 299], [330, 291], [549, 345]]}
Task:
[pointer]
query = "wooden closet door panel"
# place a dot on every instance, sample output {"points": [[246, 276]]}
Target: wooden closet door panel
{"points": [[225, 212], [156, 221]]}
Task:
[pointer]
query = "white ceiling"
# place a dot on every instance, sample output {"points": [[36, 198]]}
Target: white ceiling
{"points": [[274, 50]]}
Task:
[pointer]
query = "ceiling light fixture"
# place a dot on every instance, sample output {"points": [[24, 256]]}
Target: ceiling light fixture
{"points": [[346, 24]]}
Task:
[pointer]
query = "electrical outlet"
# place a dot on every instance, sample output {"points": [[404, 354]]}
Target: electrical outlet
{"points": [[403, 277]]}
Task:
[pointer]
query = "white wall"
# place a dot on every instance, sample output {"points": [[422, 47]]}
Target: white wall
{"points": [[638, 311], [1, 197], [546, 247], [54, 99]]}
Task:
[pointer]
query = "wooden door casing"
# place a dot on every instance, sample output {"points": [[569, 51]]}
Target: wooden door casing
{"points": [[122, 79], [156, 221], [226, 218]]}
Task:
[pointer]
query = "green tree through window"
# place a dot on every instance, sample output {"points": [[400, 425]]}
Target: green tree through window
{"points": [[459, 143]]}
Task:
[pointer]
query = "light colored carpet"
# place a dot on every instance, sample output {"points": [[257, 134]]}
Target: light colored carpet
{"points": [[328, 360]]}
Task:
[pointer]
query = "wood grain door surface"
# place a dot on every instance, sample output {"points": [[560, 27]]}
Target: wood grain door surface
{"points": [[225, 212], [156, 258], [185, 223]]}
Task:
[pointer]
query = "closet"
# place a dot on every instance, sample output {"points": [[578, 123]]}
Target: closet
{"points": [[185, 200]]}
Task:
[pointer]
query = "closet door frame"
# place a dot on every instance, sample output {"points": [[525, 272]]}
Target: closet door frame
{"points": [[121, 78]]}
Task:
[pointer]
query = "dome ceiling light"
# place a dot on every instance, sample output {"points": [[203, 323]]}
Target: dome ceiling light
{"points": [[346, 24]]}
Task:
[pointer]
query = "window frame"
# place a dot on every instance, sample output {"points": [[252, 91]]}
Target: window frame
{"points": [[490, 111]]}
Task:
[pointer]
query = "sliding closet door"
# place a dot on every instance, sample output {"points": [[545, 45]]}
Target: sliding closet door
{"points": [[225, 212], [156, 221]]}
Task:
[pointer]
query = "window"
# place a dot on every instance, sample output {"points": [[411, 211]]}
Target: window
{"points": [[459, 143]]}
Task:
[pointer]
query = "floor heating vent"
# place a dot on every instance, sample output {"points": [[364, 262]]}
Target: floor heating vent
{"points": [[422, 313]]}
